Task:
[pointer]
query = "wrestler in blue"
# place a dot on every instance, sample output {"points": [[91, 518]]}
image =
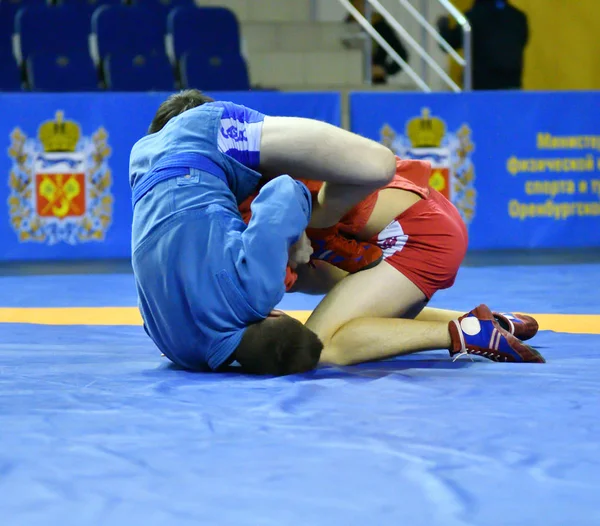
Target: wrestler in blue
{"points": [[208, 284]]}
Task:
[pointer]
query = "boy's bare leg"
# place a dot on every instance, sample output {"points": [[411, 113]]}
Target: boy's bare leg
{"points": [[431, 314], [368, 339], [320, 278], [351, 166], [351, 320], [369, 316]]}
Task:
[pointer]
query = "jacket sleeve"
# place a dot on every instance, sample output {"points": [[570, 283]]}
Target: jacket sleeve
{"points": [[280, 213]]}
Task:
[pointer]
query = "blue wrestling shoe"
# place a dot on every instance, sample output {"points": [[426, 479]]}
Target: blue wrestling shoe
{"points": [[478, 332], [519, 325], [343, 252]]}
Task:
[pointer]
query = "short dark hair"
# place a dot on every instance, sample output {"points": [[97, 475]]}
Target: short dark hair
{"points": [[278, 346], [175, 105]]}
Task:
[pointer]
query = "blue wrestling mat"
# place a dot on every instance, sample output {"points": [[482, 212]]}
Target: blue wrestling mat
{"points": [[97, 429]]}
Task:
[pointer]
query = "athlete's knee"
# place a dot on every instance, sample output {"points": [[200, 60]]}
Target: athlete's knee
{"points": [[278, 346], [333, 354]]}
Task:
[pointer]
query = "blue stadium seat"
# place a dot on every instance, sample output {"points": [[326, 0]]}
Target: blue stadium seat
{"points": [[7, 27], [10, 80], [214, 72], [23, 3], [210, 29], [51, 29], [18, 4], [164, 5], [8, 12], [127, 29], [139, 72], [88, 6], [92, 4], [73, 71]]}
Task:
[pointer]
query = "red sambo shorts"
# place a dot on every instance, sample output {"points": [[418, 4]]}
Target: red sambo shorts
{"points": [[427, 243]]}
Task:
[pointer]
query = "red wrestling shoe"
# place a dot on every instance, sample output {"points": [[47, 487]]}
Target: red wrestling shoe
{"points": [[477, 332], [291, 276], [343, 252], [519, 325]]}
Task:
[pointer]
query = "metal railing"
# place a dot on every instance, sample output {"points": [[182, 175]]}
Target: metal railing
{"points": [[467, 61], [427, 29]]}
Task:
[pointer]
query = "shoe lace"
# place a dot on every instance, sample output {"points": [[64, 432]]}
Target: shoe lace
{"points": [[490, 354], [461, 354]]}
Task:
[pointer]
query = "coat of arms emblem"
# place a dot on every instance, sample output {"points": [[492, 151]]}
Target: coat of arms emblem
{"points": [[60, 184]]}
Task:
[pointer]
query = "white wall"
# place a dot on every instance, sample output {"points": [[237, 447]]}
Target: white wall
{"points": [[329, 10]]}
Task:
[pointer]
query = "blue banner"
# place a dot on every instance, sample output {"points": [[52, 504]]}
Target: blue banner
{"points": [[65, 193], [523, 168]]}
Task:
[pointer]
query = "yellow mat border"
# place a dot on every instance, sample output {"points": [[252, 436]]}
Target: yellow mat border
{"points": [[570, 323]]}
